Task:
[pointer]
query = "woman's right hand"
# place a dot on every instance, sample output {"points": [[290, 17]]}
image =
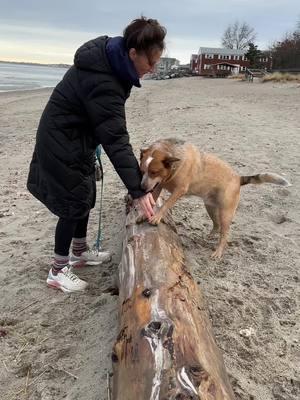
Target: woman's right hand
{"points": [[145, 204]]}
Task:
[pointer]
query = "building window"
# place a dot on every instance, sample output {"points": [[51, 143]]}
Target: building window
{"points": [[209, 56], [207, 66], [224, 57]]}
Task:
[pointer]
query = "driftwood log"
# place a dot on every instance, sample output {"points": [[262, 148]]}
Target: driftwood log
{"points": [[165, 348]]}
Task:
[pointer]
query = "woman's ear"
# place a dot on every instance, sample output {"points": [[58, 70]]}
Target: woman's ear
{"points": [[132, 54]]}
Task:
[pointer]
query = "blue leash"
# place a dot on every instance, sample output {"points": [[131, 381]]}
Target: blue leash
{"points": [[97, 244]]}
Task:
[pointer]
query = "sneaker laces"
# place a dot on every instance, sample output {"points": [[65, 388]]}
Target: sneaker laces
{"points": [[93, 252], [69, 274]]}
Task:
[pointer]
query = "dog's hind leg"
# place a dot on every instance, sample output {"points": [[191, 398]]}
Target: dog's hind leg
{"points": [[225, 221], [214, 215], [226, 214]]}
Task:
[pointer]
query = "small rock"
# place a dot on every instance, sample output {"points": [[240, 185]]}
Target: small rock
{"points": [[3, 332], [247, 332]]}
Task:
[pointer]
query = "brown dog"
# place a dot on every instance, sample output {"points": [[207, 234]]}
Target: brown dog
{"points": [[182, 169]]}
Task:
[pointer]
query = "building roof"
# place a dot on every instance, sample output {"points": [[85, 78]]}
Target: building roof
{"points": [[223, 51], [172, 59]]}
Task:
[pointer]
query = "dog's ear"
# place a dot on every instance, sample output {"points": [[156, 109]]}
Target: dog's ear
{"points": [[142, 152], [169, 161]]}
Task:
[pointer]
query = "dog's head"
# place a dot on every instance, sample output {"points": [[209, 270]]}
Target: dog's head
{"points": [[156, 166]]}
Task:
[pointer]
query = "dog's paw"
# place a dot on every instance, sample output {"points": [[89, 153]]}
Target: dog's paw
{"points": [[217, 254], [155, 220]]}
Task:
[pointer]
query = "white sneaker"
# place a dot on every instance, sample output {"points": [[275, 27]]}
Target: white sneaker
{"points": [[65, 280], [89, 257]]}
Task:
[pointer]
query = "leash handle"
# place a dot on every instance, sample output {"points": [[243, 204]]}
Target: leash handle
{"points": [[99, 234], [99, 167]]}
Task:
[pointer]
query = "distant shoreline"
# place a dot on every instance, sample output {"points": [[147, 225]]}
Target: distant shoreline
{"points": [[37, 64], [24, 91]]}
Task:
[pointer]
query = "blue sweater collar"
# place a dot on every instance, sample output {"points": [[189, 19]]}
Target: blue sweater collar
{"points": [[120, 62]]}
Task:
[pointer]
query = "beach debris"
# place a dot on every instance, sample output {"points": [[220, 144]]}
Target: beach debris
{"points": [[6, 213], [247, 332], [168, 321], [3, 332], [280, 219]]}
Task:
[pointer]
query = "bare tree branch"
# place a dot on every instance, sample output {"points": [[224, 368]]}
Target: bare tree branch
{"points": [[238, 36]]}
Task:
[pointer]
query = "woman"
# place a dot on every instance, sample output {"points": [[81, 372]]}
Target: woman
{"points": [[87, 109]]}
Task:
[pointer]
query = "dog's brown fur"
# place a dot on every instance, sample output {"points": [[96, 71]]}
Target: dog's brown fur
{"points": [[183, 170]]}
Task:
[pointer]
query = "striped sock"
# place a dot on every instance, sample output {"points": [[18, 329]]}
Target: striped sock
{"points": [[59, 262], [79, 245]]}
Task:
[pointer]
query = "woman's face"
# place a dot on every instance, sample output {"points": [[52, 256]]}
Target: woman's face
{"points": [[144, 63]]}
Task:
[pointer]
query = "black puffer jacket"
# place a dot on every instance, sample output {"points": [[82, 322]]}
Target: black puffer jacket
{"points": [[85, 109]]}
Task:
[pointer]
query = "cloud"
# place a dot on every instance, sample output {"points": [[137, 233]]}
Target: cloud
{"points": [[41, 26]]}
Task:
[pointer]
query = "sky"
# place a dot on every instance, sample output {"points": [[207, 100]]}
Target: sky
{"points": [[50, 31]]}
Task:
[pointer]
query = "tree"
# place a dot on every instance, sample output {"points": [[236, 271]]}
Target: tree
{"points": [[298, 27], [238, 36], [286, 53], [253, 56]]}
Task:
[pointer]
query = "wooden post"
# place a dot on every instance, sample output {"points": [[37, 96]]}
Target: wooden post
{"points": [[165, 348]]}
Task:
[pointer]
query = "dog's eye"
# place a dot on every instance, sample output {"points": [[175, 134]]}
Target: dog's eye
{"points": [[154, 172]]}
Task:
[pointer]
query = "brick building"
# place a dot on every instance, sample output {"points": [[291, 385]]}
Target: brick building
{"points": [[218, 62], [222, 62]]}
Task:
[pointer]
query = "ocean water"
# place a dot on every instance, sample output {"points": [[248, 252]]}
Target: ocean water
{"points": [[26, 76]]}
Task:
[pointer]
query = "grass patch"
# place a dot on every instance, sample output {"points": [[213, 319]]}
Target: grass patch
{"points": [[237, 77], [281, 77]]}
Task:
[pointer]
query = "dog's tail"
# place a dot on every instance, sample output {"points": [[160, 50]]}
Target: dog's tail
{"points": [[264, 178]]}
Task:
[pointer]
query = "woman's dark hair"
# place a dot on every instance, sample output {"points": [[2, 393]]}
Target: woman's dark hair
{"points": [[145, 35]]}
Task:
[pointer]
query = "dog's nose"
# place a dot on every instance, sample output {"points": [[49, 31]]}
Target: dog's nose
{"points": [[143, 184]]}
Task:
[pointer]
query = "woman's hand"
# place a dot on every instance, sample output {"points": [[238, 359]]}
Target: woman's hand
{"points": [[145, 204]]}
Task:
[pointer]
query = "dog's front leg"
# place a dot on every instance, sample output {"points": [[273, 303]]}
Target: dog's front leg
{"points": [[156, 192], [155, 220]]}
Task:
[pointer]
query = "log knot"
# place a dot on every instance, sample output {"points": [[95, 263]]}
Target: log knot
{"points": [[152, 329], [147, 292], [159, 329], [114, 357]]}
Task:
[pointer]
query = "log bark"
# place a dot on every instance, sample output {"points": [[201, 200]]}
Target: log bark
{"points": [[165, 348]]}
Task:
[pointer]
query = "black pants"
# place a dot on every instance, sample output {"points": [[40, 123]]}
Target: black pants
{"points": [[66, 230]]}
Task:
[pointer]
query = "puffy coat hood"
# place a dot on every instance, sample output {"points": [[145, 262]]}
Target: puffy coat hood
{"points": [[104, 53], [91, 55], [120, 62]]}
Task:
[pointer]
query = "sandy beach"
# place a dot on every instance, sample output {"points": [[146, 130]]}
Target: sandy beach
{"points": [[55, 346]]}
